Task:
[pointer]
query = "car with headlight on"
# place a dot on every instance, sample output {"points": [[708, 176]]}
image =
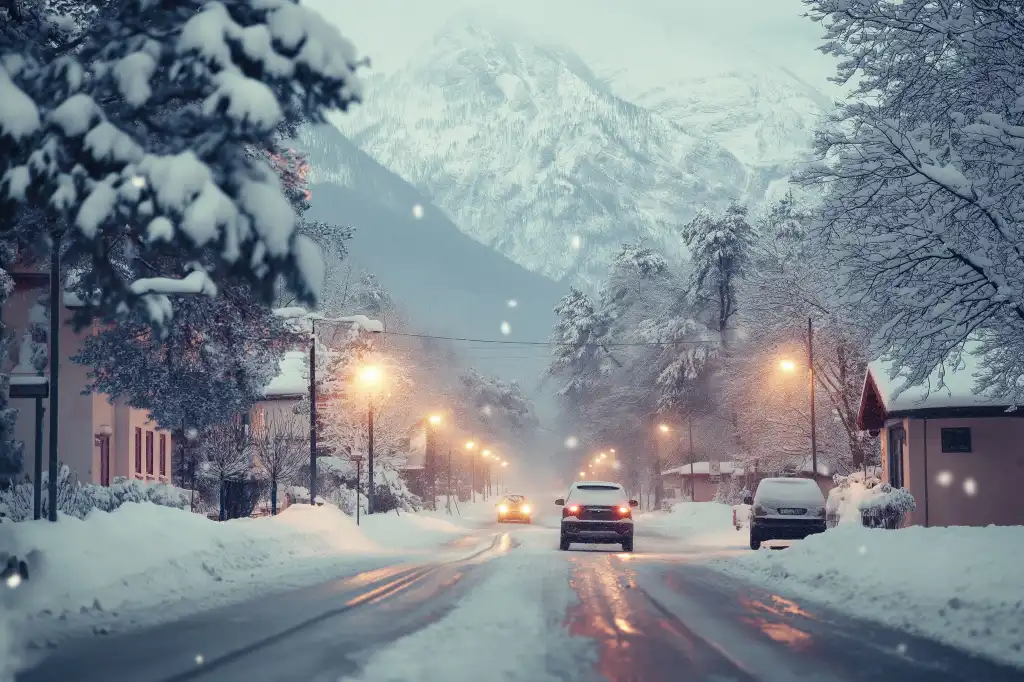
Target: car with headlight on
{"points": [[514, 508], [596, 512], [786, 509]]}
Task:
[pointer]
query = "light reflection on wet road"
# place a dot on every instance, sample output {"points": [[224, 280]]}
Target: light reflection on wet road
{"points": [[660, 616]]}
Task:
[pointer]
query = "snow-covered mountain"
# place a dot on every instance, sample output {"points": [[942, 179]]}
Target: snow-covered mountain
{"points": [[530, 152]]}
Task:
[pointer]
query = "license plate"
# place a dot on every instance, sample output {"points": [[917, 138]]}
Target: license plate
{"points": [[791, 512]]}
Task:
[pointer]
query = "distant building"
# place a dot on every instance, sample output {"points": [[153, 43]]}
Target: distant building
{"points": [[704, 478], [959, 453]]}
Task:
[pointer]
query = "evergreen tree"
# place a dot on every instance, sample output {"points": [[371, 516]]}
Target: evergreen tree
{"points": [[719, 250]]}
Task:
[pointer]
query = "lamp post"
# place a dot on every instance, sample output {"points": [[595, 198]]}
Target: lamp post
{"points": [[358, 459], [371, 377], [789, 367], [433, 423], [486, 473], [664, 430], [470, 446]]}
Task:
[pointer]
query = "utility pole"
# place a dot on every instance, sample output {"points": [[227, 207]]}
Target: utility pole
{"points": [[370, 506], [55, 306], [810, 368], [448, 505], [312, 412], [689, 428]]}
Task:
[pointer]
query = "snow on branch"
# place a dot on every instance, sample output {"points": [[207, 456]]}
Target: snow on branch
{"points": [[196, 283]]}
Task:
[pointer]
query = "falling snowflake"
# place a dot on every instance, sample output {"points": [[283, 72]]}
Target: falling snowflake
{"points": [[506, 328], [417, 211], [13, 580], [862, 550], [138, 181], [512, 303], [191, 434], [576, 242], [970, 487], [199, 659], [487, 409], [945, 478], [902, 648], [572, 442]]}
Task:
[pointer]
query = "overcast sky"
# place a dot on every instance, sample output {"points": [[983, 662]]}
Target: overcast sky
{"points": [[646, 37]]}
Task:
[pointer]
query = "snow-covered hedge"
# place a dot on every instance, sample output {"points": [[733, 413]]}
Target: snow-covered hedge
{"points": [[864, 499], [78, 499]]}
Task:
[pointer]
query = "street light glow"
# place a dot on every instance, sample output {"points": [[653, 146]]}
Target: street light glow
{"points": [[663, 428], [470, 445], [370, 375], [486, 453], [583, 474], [504, 464], [787, 366], [435, 419]]}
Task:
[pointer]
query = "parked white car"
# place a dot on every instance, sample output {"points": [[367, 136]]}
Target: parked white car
{"points": [[786, 509]]}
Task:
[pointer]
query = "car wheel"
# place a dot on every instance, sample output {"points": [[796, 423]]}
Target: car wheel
{"points": [[627, 545], [563, 543], [755, 542]]}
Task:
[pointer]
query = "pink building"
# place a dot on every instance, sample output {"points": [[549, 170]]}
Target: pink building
{"points": [[959, 453], [97, 439]]}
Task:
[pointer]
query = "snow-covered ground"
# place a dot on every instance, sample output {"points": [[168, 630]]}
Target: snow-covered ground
{"points": [[698, 524], [142, 563], [961, 586]]}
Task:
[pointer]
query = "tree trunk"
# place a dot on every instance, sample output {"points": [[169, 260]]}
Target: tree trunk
{"points": [[273, 497]]}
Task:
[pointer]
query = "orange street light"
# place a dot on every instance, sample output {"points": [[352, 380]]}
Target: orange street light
{"points": [[470, 444], [787, 366], [370, 375], [583, 474], [486, 453], [504, 464], [434, 419], [664, 428]]}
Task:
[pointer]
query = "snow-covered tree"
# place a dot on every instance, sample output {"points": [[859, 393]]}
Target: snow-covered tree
{"points": [[924, 204], [280, 450], [719, 250], [136, 122], [227, 452]]}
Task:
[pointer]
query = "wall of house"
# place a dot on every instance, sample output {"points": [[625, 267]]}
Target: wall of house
{"points": [[978, 488], [282, 413], [75, 422]]}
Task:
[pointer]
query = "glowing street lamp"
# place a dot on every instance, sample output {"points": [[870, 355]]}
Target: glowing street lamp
{"points": [[370, 375], [470, 444], [583, 474], [664, 428], [434, 419], [787, 366], [486, 453]]}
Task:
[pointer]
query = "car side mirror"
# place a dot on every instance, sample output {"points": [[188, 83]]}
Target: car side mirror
{"points": [[634, 503], [748, 500], [560, 501]]}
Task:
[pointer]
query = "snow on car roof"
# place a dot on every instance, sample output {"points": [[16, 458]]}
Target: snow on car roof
{"points": [[802, 490]]}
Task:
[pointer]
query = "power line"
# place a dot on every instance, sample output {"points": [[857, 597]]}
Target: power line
{"points": [[509, 342]]}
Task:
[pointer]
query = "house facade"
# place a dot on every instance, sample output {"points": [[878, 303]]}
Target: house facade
{"points": [[705, 478], [98, 439], [959, 453]]}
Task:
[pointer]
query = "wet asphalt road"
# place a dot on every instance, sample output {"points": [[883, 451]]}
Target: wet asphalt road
{"points": [[649, 616]]}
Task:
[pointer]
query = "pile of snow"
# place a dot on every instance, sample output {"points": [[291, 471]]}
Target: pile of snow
{"points": [[411, 531], [142, 554], [863, 494], [704, 523], [959, 585]]}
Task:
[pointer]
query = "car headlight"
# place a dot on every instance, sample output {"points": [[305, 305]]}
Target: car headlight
{"points": [[526, 508], [503, 509]]}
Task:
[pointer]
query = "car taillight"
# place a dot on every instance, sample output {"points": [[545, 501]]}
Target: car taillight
{"points": [[624, 511], [572, 510]]}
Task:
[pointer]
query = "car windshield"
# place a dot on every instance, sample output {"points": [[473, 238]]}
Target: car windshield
{"points": [[515, 499], [597, 494], [792, 490]]}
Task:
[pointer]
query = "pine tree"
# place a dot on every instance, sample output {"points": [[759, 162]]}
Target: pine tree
{"points": [[719, 250]]}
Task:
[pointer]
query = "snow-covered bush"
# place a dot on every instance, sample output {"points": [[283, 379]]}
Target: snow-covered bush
{"points": [[863, 498], [77, 499]]}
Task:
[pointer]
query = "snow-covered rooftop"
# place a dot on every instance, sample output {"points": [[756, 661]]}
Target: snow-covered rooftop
{"points": [[951, 386], [293, 378]]}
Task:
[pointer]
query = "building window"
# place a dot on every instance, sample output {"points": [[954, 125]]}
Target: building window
{"points": [[149, 453], [163, 454], [956, 440], [897, 437], [138, 450]]}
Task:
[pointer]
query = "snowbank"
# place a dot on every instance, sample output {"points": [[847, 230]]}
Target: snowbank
{"points": [[143, 554], [701, 523], [411, 531], [961, 586]]}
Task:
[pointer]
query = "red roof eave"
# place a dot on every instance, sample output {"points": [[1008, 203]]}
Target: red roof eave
{"points": [[872, 413]]}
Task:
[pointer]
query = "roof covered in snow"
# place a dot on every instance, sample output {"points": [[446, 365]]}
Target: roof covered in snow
{"points": [[292, 381], [948, 386]]}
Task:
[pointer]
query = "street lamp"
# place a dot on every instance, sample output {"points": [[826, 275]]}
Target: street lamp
{"points": [[787, 366], [435, 420], [664, 428], [370, 376], [433, 423]]}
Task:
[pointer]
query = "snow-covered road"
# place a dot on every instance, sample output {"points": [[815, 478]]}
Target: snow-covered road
{"points": [[516, 609]]}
